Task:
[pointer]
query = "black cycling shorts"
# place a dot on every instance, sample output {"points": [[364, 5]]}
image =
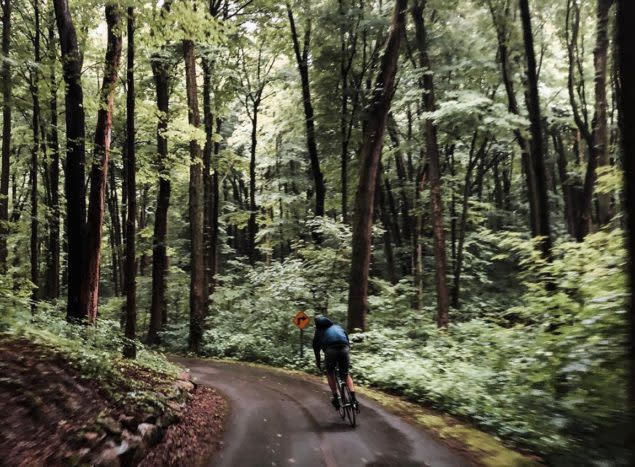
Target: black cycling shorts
{"points": [[337, 356]]}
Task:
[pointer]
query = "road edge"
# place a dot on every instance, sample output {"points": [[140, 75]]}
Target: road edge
{"points": [[478, 446]]}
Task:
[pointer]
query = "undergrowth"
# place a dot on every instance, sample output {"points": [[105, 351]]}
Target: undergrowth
{"points": [[95, 353]]}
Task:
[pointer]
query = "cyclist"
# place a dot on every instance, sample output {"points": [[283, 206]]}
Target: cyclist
{"points": [[333, 340]]}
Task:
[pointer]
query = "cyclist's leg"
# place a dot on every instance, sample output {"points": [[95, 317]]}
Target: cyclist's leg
{"points": [[330, 377], [330, 363]]}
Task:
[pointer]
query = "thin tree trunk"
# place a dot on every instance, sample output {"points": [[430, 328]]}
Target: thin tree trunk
{"points": [[117, 240], [158, 310], [197, 280], [75, 159], [253, 207], [6, 133], [53, 169], [600, 125], [537, 150], [474, 158], [434, 171], [89, 297], [502, 35], [215, 212], [35, 93], [142, 222], [565, 183], [401, 177], [385, 220], [114, 235], [302, 59], [130, 350], [370, 154]]}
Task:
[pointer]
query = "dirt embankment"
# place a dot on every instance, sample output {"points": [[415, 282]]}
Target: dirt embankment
{"points": [[52, 415]]}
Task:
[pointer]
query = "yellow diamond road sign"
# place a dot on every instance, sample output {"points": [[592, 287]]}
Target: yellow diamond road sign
{"points": [[301, 320]]}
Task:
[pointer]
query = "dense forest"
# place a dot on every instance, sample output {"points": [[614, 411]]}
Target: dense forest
{"points": [[443, 177]]}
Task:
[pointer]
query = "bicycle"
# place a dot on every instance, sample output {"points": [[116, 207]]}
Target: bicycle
{"points": [[348, 409]]}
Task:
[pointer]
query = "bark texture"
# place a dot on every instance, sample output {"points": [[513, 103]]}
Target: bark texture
{"points": [[53, 175], [130, 275], [197, 263], [537, 142], [35, 153], [302, 60], [75, 158], [370, 154], [89, 296], [434, 170], [158, 311], [6, 134]]}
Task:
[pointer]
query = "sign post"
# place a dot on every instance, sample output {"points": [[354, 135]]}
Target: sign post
{"points": [[301, 321]]}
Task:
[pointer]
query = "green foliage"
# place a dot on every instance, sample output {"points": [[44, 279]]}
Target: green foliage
{"points": [[547, 374], [95, 352]]}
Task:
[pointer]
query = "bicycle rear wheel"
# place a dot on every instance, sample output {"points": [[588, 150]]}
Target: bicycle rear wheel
{"points": [[348, 405], [342, 409]]}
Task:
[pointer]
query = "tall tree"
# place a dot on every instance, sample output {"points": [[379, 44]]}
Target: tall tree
{"points": [[434, 169], [89, 297], [75, 158], [131, 170], [537, 145], [197, 254], [302, 59], [370, 154], [6, 133], [626, 63], [502, 24], [53, 175], [158, 310], [35, 151], [254, 83], [600, 118], [595, 135]]}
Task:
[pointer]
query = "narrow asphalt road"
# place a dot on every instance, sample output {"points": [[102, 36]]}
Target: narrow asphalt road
{"points": [[281, 420]]}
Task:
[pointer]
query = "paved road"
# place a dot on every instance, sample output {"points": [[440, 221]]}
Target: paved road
{"points": [[281, 420]]}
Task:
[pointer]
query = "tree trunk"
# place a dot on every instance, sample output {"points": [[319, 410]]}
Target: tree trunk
{"points": [[302, 59], [600, 126], [53, 169], [626, 39], [565, 183], [142, 222], [385, 220], [35, 93], [158, 310], [434, 171], [215, 212], [252, 227], [401, 177], [114, 236], [370, 154], [6, 134], [75, 159], [89, 297], [117, 240], [130, 350], [502, 36], [197, 263], [537, 150]]}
